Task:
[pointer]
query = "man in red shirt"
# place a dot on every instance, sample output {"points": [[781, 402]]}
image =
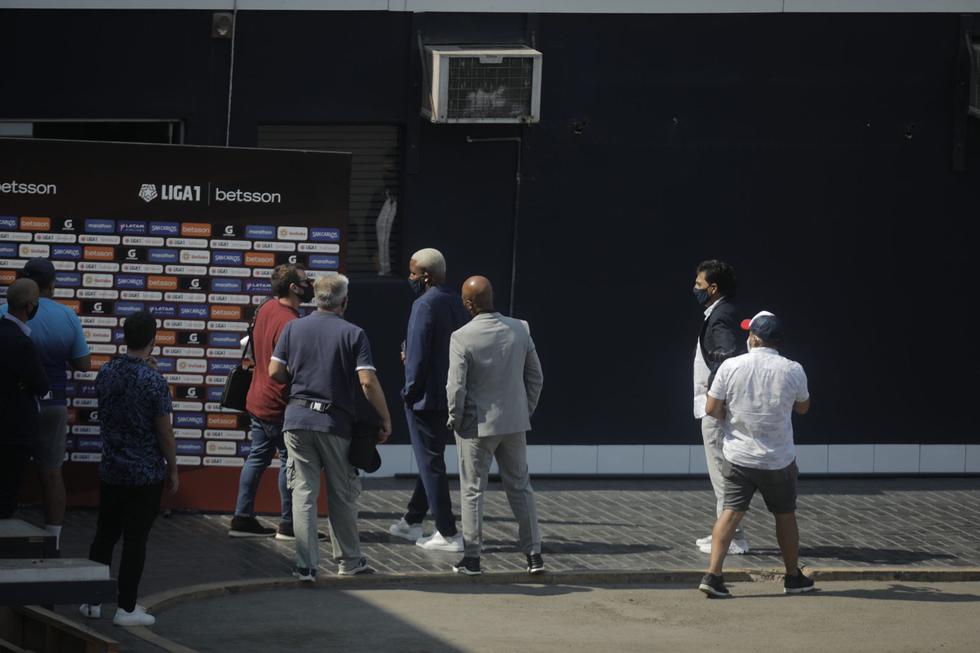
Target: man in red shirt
{"points": [[266, 404]]}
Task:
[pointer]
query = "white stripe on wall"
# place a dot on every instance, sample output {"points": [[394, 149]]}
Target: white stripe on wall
{"points": [[688, 460]]}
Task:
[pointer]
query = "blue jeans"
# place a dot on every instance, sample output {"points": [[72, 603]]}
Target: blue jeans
{"points": [[266, 440], [428, 432]]}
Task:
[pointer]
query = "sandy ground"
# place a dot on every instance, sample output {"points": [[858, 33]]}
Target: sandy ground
{"points": [[839, 616]]}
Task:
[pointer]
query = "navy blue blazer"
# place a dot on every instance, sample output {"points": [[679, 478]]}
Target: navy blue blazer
{"points": [[435, 315], [22, 380]]}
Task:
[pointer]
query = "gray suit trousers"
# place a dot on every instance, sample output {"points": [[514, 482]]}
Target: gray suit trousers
{"points": [[475, 457]]}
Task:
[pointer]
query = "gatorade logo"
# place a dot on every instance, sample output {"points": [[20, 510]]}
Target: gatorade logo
{"points": [[69, 225], [193, 339], [192, 392], [229, 230], [97, 307]]}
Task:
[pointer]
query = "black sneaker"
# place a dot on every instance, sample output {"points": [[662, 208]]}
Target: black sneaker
{"points": [[797, 584], [249, 527], [714, 586], [468, 566], [285, 532], [535, 565]]}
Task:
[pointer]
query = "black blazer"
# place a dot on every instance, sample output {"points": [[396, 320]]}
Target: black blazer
{"points": [[22, 380], [719, 336]]}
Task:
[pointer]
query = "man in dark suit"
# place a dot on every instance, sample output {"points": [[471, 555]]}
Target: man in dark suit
{"points": [[22, 381], [436, 313], [714, 289]]}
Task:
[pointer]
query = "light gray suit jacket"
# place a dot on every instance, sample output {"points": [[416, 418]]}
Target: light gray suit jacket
{"points": [[495, 377]]}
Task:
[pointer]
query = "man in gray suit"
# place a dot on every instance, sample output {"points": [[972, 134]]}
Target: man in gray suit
{"points": [[493, 387]]}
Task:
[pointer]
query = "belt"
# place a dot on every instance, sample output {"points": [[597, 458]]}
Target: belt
{"points": [[319, 405]]}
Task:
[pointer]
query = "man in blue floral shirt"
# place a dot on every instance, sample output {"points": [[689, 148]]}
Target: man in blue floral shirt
{"points": [[138, 455]]}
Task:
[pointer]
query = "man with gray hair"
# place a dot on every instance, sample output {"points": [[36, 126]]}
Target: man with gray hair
{"points": [[323, 358], [436, 313]]}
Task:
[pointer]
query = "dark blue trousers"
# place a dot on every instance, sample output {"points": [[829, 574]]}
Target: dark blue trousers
{"points": [[429, 434]]}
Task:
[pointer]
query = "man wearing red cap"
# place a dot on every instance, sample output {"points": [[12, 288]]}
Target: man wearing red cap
{"points": [[755, 395]]}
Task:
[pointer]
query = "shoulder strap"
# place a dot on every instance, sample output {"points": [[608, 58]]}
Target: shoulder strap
{"points": [[251, 327]]}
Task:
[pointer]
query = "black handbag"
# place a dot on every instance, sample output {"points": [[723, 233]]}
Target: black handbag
{"points": [[240, 378]]}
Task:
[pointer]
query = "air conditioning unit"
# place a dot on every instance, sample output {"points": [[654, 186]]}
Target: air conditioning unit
{"points": [[486, 84]]}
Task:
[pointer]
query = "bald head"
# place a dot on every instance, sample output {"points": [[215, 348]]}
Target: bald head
{"points": [[22, 296], [478, 295]]}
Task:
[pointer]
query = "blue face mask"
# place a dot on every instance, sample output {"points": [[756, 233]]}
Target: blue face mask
{"points": [[702, 295], [418, 287]]}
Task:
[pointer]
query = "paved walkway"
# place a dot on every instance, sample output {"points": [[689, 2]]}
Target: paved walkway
{"points": [[598, 525]]}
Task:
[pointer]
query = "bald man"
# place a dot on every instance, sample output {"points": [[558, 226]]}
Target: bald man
{"points": [[22, 381], [494, 383]]}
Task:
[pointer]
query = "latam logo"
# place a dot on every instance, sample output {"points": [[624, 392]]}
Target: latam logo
{"points": [[131, 228], [170, 193]]}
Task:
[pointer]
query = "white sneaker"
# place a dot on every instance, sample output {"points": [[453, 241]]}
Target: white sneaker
{"points": [[91, 610], [703, 541], [437, 542], [738, 547], [138, 617], [404, 530]]}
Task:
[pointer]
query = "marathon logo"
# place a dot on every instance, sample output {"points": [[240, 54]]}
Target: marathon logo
{"points": [[192, 420], [131, 228], [319, 248], [260, 232], [192, 366], [142, 295], [244, 448], [98, 280], [94, 226], [131, 282], [163, 256], [195, 256], [195, 229], [221, 367], [143, 241], [89, 239], [220, 339], [8, 250], [324, 234], [273, 246], [89, 266], [96, 321], [166, 365], [65, 279], [48, 238], [32, 251], [222, 298], [164, 229], [185, 311], [73, 252], [197, 270], [118, 337], [226, 285], [194, 325], [189, 448], [128, 308], [222, 434], [228, 258], [142, 268], [162, 310], [35, 224], [190, 338], [214, 393], [321, 262], [199, 243], [191, 283], [89, 293], [226, 312], [231, 244], [89, 444], [187, 433]]}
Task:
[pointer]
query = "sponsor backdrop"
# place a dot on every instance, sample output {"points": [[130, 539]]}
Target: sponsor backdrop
{"points": [[190, 234]]}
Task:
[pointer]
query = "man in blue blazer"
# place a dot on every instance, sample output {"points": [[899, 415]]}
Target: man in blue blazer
{"points": [[436, 313]]}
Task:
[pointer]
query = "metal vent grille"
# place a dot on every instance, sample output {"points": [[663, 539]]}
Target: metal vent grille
{"points": [[490, 89], [975, 79], [375, 173]]}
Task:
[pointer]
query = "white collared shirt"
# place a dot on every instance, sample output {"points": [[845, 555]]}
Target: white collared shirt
{"points": [[759, 389], [23, 327], [701, 371]]}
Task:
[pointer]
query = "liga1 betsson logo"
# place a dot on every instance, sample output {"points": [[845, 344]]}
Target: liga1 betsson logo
{"points": [[170, 192], [148, 192]]}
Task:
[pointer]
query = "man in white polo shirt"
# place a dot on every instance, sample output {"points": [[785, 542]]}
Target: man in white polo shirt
{"points": [[755, 395]]}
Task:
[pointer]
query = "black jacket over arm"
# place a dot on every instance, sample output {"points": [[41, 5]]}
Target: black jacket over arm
{"points": [[719, 336], [22, 380]]}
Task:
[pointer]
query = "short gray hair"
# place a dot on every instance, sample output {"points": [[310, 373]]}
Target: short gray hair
{"points": [[432, 261], [330, 291]]}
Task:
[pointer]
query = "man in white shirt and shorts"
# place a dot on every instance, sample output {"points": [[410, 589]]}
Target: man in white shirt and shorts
{"points": [[755, 395]]}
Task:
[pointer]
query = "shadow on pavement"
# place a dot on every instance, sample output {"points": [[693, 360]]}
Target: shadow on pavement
{"points": [[859, 554], [557, 546], [483, 589], [904, 593]]}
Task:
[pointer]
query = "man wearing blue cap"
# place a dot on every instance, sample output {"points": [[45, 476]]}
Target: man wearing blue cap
{"points": [[756, 394]]}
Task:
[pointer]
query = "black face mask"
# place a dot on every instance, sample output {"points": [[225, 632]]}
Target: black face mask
{"points": [[702, 295], [418, 286], [307, 294]]}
